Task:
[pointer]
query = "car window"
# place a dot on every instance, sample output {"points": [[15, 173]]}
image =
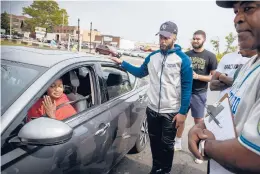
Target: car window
{"points": [[15, 79], [117, 81], [142, 82], [132, 80], [72, 93]]}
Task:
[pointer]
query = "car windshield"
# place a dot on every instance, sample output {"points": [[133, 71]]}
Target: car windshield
{"points": [[15, 79]]}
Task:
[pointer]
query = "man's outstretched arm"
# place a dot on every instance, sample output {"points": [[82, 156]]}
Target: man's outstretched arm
{"points": [[140, 72]]}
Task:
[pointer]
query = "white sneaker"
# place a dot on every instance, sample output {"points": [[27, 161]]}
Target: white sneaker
{"points": [[198, 161], [177, 145]]}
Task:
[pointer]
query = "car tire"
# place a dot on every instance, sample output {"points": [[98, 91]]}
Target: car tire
{"points": [[142, 138]]}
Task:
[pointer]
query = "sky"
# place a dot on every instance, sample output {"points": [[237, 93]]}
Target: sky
{"points": [[141, 20]]}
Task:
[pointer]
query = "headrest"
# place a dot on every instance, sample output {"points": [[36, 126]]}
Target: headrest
{"points": [[114, 79], [74, 79]]}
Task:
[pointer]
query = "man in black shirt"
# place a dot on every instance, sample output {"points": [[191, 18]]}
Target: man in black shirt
{"points": [[204, 64]]}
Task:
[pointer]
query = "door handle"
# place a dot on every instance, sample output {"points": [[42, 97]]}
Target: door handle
{"points": [[103, 130]]}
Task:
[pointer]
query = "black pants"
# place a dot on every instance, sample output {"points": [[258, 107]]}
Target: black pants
{"points": [[162, 133]]}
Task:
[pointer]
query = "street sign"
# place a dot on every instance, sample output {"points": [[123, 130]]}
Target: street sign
{"points": [[40, 32], [107, 39]]}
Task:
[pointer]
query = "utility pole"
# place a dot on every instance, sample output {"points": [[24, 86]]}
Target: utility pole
{"points": [[69, 43], [62, 26], [90, 36], [78, 34], [10, 16]]}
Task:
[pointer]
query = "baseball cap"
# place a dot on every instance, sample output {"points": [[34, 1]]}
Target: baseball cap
{"points": [[225, 4], [167, 29]]}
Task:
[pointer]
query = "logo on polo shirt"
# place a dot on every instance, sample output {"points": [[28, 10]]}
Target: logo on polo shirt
{"points": [[171, 65]]}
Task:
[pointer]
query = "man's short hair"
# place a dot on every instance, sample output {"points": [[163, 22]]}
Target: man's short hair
{"points": [[200, 32]]}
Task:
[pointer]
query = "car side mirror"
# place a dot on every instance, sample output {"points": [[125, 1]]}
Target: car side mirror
{"points": [[44, 131]]}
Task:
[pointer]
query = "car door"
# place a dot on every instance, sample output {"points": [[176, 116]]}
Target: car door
{"points": [[86, 152], [139, 126], [101, 49], [106, 50], [121, 101]]}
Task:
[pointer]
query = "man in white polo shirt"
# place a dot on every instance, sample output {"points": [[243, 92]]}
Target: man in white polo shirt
{"points": [[222, 79], [241, 154]]}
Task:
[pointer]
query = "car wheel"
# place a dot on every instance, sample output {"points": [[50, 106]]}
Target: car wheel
{"points": [[142, 138]]}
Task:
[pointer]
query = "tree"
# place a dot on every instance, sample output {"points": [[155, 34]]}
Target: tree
{"points": [[5, 22], [46, 14], [230, 38]]}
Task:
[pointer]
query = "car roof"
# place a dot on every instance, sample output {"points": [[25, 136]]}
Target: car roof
{"points": [[42, 57]]}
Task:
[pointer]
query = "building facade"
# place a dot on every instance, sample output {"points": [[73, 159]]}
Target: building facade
{"points": [[17, 23], [65, 31], [108, 40]]}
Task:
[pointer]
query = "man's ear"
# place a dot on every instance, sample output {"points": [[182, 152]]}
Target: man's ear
{"points": [[174, 37]]}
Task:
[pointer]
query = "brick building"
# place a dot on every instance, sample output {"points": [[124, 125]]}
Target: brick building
{"points": [[108, 40], [17, 22]]}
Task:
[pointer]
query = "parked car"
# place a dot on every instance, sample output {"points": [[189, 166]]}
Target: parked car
{"points": [[143, 54], [120, 51], [110, 119], [127, 52], [134, 53], [107, 50], [3, 36]]}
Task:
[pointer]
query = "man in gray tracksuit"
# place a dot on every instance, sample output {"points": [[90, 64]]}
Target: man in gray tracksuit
{"points": [[170, 73]]}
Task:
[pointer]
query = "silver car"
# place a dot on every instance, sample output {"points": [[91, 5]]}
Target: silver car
{"points": [[110, 119]]}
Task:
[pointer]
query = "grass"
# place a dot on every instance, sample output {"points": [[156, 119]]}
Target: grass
{"points": [[9, 43], [6, 42]]}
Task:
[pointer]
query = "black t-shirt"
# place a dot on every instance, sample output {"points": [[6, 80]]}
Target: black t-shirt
{"points": [[202, 63]]}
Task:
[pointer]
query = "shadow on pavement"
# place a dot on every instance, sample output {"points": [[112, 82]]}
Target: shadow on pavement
{"points": [[185, 169], [129, 166]]}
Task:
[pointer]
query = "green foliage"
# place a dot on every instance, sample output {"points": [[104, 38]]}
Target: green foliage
{"points": [[46, 14], [5, 22], [230, 38]]}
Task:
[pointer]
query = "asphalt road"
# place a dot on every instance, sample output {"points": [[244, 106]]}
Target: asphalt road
{"points": [[183, 162]]}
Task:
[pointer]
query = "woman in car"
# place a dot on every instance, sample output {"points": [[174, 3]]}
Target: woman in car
{"points": [[48, 105]]}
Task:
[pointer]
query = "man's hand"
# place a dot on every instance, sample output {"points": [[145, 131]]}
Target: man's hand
{"points": [[196, 134], [119, 61], [180, 119], [49, 106], [222, 77], [195, 76]]}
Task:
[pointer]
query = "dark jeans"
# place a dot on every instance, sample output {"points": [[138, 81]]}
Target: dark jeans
{"points": [[162, 133]]}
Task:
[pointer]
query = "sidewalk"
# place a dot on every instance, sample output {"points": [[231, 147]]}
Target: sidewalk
{"points": [[183, 162]]}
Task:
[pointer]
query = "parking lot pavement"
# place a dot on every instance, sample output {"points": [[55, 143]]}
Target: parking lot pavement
{"points": [[183, 162]]}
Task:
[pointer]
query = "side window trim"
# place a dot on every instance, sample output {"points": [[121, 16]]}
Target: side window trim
{"points": [[112, 65]]}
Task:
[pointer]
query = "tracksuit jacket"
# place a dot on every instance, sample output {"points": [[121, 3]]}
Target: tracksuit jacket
{"points": [[171, 77]]}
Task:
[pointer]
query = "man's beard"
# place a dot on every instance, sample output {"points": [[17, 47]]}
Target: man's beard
{"points": [[168, 47], [198, 46]]}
